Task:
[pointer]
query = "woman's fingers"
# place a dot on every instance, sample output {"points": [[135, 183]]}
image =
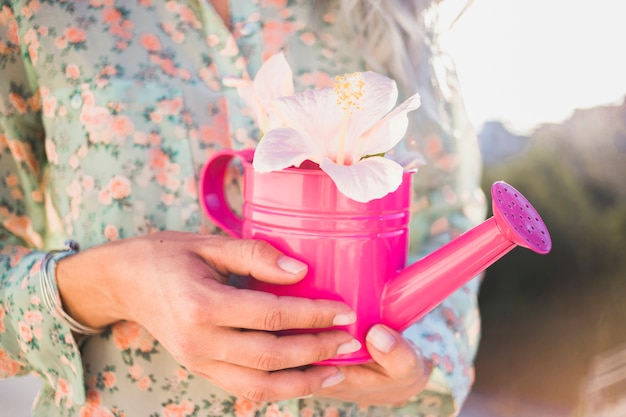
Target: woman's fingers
{"points": [[256, 310], [264, 386], [396, 355], [269, 352], [248, 257]]}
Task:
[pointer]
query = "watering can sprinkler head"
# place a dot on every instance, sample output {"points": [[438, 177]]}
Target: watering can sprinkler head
{"points": [[420, 287], [518, 220]]}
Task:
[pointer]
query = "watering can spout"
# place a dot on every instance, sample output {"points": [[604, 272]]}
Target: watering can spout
{"points": [[420, 287]]}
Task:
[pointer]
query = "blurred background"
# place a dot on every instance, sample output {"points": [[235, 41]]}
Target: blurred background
{"points": [[544, 83]]}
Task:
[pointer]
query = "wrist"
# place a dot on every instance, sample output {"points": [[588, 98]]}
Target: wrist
{"points": [[87, 292]]}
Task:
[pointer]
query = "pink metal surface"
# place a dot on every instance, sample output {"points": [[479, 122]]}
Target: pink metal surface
{"points": [[356, 252]]}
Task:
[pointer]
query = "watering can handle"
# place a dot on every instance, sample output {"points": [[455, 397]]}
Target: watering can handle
{"points": [[211, 188]]}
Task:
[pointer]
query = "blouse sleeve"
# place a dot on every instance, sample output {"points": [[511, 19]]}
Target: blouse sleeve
{"points": [[31, 339]]}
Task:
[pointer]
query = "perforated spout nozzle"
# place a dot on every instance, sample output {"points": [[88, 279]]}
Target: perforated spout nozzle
{"points": [[419, 288], [518, 220]]}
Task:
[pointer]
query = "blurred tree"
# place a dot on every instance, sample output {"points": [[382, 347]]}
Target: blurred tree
{"points": [[563, 308]]}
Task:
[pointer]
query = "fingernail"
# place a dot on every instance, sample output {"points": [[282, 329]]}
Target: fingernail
{"points": [[349, 347], [344, 319], [293, 266], [333, 379], [381, 339]]}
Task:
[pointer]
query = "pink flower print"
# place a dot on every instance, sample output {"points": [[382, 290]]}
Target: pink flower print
{"points": [[51, 151], [170, 107], [168, 67], [212, 40], [12, 33], [135, 371], [245, 408], [33, 317], [307, 38], [111, 232], [2, 314], [144, 383], [272, 411], [331, 412], [60, 42], [8, 367], [34, 102], [447, 364], [87, 182], [95, 119], [168, 199], [187, 16], [178, 37], [93, 407], [274, 35], [104, 197], [25, 332], [38, 333], [306, 412], [150, 42], [317, 79], [108, 71], [190, 187], [158, 159], [126, 334], [146, 344], [178, 410], [18, 102], [17, 194], [11, 180], [74, 35], [49, 106], [109, 379], [119, 187], [72, 72], [181, 374], [111, 15], [89, 100], [230, 48], [121, 126], [172, 6]]}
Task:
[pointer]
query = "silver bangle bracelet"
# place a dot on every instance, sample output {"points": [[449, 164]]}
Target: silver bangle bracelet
{"points": [[50, 292]]}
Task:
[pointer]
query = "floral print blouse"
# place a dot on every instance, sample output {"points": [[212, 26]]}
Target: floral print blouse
{"points": [[108, 110]]}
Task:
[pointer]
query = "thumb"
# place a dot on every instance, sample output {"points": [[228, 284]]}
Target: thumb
{"points": [[399, 358], [256, 258]]}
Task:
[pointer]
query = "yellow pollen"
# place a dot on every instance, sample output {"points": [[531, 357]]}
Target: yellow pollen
{"points": [[349, 90]]}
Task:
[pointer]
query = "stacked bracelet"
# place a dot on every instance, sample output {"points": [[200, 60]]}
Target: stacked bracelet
{"points": [[50, 292]]}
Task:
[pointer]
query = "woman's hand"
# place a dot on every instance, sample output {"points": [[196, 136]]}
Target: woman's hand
{"points": [[397, 373], [174, 284]]}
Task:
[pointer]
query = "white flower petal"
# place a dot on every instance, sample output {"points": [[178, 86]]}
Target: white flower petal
{"points": [[314, 112], [282, 148], [386, 134], [366, 180], [274, 79]]}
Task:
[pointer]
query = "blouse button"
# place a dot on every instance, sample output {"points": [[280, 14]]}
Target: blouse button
{"points": [[76, 101], [249, 28]]}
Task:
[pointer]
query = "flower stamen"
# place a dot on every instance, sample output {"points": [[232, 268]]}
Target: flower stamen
{"points": [[349, 89]]}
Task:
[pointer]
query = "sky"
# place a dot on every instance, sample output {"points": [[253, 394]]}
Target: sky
{"points": [[527, 62]]}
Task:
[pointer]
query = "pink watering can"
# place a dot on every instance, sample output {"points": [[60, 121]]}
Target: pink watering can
{"points": [[357, 252]]}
